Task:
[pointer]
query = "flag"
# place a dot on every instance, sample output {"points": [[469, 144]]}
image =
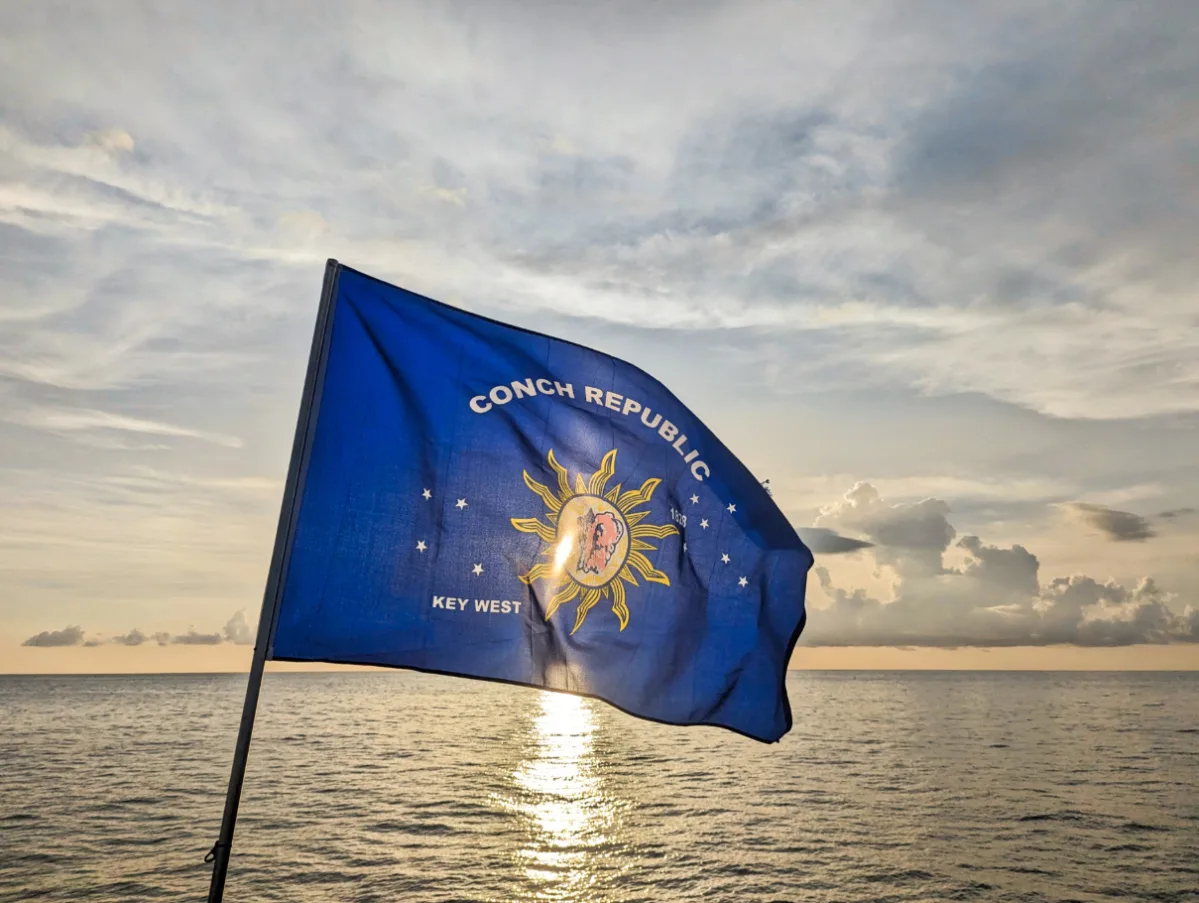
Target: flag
{"points": [[480, 500]]}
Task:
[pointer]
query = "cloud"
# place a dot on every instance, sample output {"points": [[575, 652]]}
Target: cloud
{"points": [[1082, 610], [301, 225], [903, 200], [823, 541], [71, 421], [911, 216], [98, 167], [1175, 513], [68, 636], [1013, 569], [192, 638], [455, 196], [112, 140], [1118, 526], [911, 537], [237, 630], [994, 598]]}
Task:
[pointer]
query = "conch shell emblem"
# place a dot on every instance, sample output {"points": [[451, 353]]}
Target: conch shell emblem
{"points": [[599, 535]]}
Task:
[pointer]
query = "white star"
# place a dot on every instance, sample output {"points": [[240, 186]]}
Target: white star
{"points": [[704, 523], [724, 558], [477, 569], [732, 508], [420, 545], [695, 500], [426, 494], [742, 582], [460, 504], [684, 547]]}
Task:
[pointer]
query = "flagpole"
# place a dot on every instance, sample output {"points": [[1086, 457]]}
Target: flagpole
{"points": [[301, 444]]}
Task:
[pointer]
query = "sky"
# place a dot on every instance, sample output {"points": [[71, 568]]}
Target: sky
{"points": [[927, 267]]}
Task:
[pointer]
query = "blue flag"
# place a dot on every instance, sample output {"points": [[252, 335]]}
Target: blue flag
{"points": [[480, 500]]}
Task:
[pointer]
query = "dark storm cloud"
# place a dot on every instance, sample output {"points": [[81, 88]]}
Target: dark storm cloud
{"points": [[68, 636], [1118, 526], [829, 542]]}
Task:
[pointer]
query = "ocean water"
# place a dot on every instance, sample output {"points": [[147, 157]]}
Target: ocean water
{"points": [[399, 786]]}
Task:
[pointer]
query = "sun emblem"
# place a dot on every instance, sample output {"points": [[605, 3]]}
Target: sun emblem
{"points": [[596, 541]]}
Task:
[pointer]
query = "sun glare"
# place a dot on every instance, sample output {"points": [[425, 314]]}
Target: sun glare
{"points": [[562, 799], [595, 540], [561, 553]]}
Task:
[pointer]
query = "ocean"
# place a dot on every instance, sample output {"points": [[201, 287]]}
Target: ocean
{"points": [[374, 786]]}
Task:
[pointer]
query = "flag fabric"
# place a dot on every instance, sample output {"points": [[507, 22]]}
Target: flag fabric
{"points": [[485, 501]]}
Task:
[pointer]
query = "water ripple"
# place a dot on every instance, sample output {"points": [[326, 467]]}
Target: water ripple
{"points": [[1026, 788]]}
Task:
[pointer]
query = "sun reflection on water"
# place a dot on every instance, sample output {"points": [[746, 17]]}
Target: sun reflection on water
{"points": [[567, 816]]}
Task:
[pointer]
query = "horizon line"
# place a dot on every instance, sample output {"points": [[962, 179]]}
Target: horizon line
{"points": [[360, 669]]}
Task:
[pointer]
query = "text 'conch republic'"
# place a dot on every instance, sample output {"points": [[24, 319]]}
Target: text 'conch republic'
{"points": [[629, 407]]}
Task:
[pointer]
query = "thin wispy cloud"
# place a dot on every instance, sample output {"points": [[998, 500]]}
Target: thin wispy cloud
{"points": [[72, 421], [823, 188]]}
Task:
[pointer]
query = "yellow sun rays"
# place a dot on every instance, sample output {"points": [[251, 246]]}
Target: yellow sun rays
{"points": [[554, 568]]}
